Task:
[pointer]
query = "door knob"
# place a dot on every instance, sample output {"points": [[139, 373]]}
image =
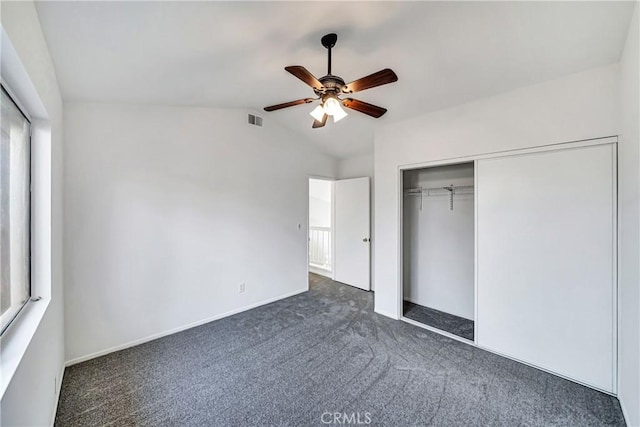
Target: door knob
{"points": [[366, 239]]}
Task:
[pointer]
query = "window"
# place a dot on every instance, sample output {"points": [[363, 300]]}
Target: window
{"points": [[15, 198]]}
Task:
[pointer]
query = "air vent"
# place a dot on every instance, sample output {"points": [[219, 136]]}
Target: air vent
{"points": [[255, 120]]}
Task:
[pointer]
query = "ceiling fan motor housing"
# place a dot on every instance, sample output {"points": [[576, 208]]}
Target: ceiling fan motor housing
{"points": [[331, 85]]}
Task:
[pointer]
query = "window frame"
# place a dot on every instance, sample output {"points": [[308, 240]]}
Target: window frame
{"points": [[12, 318]]}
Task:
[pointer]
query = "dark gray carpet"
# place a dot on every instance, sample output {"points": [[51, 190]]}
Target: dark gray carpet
{"points": [[324, 351], [439, 319]]}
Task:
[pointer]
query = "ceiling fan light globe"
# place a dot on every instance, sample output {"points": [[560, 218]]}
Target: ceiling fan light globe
{"points": [[317, 113], [331, 106], [339, 114]]}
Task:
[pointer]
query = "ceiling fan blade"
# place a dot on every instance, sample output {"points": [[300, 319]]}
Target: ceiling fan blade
{"points": [[380, 78], [289, 104], [363, 107], [304, 75], [319, 124]]}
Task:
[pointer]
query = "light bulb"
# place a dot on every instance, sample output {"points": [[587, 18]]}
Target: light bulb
{"points": [[318, 113], [331, 105], [339, 114]]}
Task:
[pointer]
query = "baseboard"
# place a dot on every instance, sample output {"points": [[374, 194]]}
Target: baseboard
{"points": [[180, 328], [624, 413], [386, 314], [58, 390], [321, 271]]}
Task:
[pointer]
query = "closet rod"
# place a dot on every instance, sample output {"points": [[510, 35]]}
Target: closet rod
{"points": [[449, 190], [443, 190]]}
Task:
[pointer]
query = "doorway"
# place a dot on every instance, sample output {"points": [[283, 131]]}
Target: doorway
{"points": [[339, 230], [438, 248], [321, 227]]}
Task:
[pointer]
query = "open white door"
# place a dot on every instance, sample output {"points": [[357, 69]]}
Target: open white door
{"points": [[352, 229]]}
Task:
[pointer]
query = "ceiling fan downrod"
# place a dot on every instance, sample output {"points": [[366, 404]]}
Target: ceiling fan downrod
{"points": [[329, 41]]}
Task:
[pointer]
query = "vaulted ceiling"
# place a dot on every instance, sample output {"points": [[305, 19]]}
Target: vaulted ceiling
{"points": [[233, 54]]}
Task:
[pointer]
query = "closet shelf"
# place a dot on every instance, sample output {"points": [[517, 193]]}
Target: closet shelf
{"points": [[449, 190]]}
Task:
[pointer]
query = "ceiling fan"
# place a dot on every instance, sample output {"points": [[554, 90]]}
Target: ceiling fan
{"points": [[330, 87]]}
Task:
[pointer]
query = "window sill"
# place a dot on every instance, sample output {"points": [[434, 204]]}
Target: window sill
{"points": [[16, 339]]}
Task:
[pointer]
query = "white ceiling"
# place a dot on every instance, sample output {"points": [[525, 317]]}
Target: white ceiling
{"points": [[233, 54]]}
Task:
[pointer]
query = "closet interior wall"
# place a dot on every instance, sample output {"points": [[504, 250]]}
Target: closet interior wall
{"points": [[438, 241]]}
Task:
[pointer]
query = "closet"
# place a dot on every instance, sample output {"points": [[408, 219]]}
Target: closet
{"points": [[516, 253], [438, 248]]}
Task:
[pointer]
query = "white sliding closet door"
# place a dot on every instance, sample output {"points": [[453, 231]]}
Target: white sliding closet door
{"points": [[546, 260]]}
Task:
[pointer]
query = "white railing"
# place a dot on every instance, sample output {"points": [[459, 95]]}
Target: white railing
{"points": [[320, 247]]}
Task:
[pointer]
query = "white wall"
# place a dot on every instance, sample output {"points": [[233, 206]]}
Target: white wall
{"points": [[356, 167], [629, 203], [168, 209], [576, 107], [439, 243], [320, 203], [31, 397]]}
